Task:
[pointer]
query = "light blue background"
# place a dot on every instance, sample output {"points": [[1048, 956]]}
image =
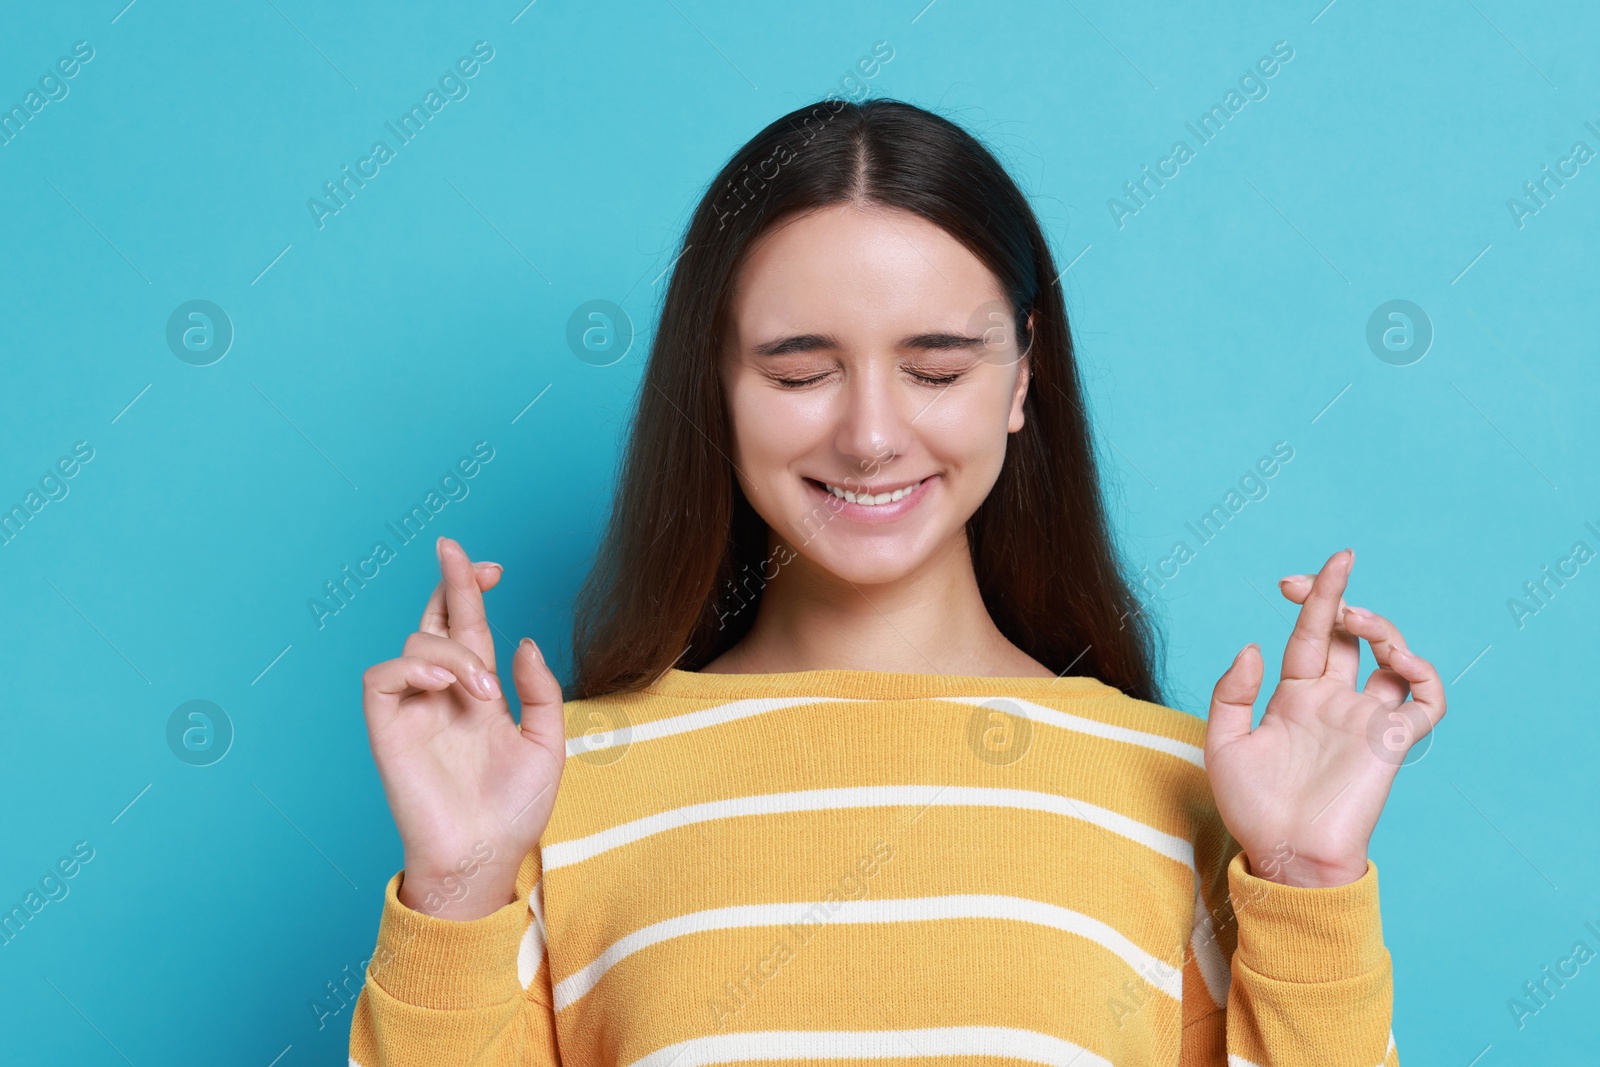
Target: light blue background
{"points": [[424, 317]]}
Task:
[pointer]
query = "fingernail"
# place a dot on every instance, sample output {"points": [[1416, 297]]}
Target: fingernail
{"points": [[488, 684], [1352, 556], [1360, 614], [1294, 578], [485, 563], [442, 674]]}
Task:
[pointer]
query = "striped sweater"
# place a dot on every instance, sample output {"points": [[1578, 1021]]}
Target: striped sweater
{"points": [[860, 866]]}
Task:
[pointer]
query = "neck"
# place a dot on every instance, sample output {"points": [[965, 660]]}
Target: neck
{"points": [[931, 621]]}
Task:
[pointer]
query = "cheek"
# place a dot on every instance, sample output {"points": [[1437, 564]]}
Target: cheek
{"points": [[967, 430], [772, 429]]}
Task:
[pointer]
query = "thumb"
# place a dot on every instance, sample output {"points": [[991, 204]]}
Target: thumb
{"points": [[542, 717], [1233, 700]]}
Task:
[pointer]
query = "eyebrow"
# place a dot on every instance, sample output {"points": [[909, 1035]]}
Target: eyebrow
{"points": [[937, 341]]}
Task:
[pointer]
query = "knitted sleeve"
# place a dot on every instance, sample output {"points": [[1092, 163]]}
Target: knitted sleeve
{"points": [[446, 991], [1284, 975]]}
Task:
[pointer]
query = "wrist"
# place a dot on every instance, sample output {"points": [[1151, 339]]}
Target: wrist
{"points": [[1288, 868], [450, 896], [476, 884]]}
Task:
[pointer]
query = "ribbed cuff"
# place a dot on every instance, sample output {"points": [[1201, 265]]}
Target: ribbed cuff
{"points": [[1297, 934], [447, 964]]}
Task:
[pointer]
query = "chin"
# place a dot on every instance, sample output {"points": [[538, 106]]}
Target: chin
{"points": [[868, 556], [868, 571]]}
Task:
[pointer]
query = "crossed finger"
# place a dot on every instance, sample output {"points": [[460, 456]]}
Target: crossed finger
{"points": [[1344, 651], [1384, 683], [433, 617], [1399, 670], [1306, 654], [464, 617]]}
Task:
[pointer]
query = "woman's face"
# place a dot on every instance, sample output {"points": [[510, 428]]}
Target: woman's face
{"points": [[869, 353]]}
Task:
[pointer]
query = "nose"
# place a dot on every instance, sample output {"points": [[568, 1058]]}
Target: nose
{"points": [[874, 424]]}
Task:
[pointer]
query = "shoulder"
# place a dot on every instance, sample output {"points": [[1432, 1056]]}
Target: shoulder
{"points": [[1174, 745], [1092, 706], [628, 706], [1171, 722]]}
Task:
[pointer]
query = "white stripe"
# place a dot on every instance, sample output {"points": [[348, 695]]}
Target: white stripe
{"points": [[531, 951], [753, 706], [566, 853], [1215, 969], [694, 720], [1066, 721], [1159, 974], [874, 1044]]}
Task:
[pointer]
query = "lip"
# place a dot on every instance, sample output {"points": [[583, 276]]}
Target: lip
{"points": [[873, 514], [872, 490]]}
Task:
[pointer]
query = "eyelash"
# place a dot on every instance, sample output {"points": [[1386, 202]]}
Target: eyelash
{"points": [[797, 383]]}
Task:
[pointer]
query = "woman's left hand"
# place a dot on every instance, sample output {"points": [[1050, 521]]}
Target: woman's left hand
{"points": [[1302, 792]]}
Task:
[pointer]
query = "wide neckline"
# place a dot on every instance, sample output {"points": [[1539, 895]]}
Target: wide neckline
{"points": [[864, 684]]}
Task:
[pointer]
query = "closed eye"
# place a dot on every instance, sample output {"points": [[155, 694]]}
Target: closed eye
{"points": [[925, 379], [796, 383]]}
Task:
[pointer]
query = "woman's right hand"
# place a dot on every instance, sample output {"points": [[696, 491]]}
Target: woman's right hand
{"points": [[471, 791]]}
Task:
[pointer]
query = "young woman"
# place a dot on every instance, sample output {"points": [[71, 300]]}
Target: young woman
{"points": [[864, 757]]}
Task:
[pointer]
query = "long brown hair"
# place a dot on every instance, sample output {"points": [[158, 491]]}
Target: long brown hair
{"points": [[672, 584]]}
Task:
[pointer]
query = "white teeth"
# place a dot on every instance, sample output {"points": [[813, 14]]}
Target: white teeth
{"points": [[872, 501]]}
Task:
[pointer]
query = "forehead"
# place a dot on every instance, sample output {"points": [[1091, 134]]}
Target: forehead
{"points": [[850, 267]]}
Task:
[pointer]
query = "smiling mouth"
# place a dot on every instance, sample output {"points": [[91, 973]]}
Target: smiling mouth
{"points": [[868, 499]]}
